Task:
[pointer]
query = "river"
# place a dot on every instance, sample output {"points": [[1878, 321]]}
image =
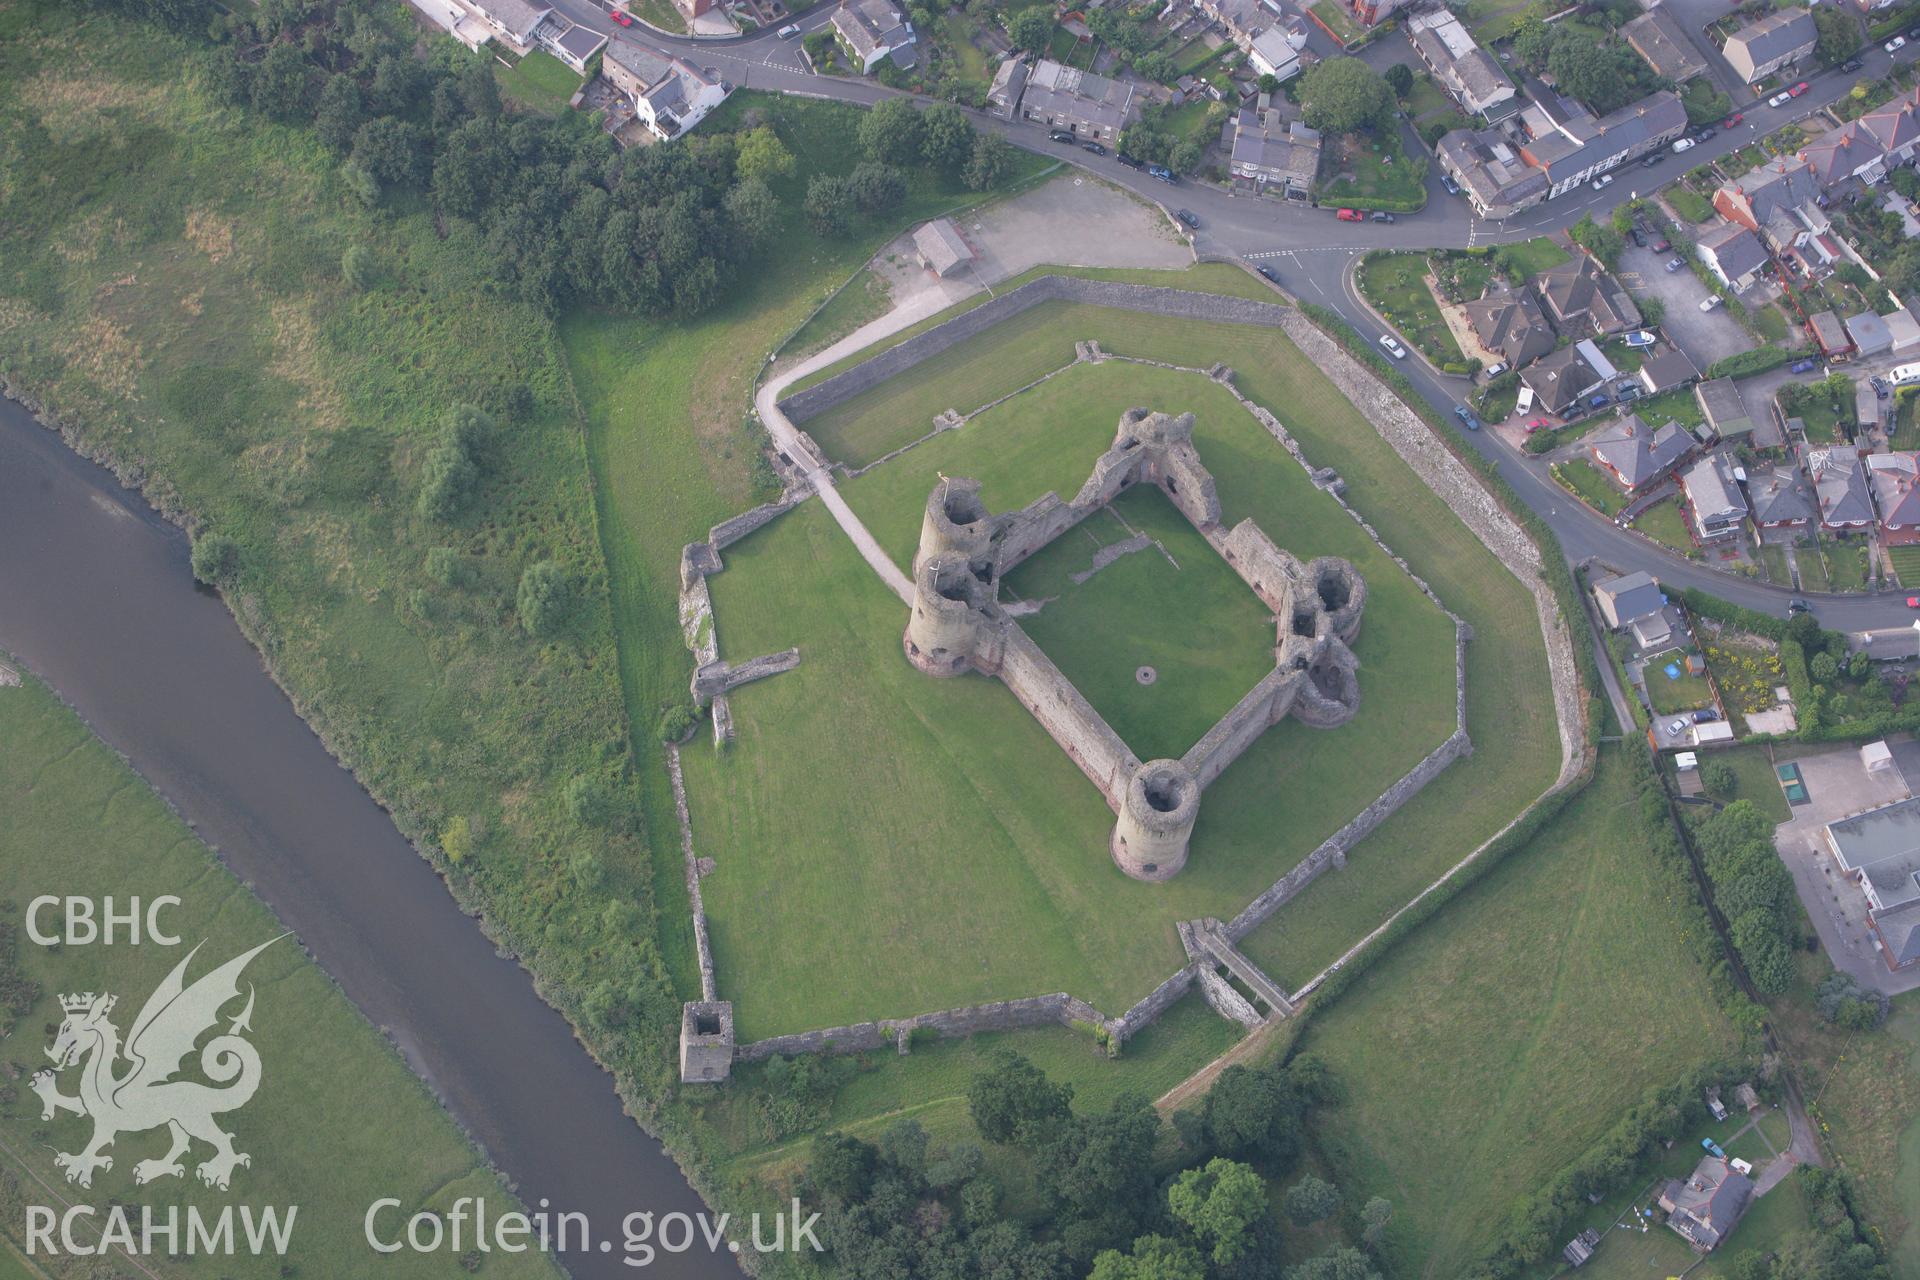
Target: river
{"points": [[97, 598]]}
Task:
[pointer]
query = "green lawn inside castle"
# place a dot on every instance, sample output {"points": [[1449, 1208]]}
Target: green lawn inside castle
{"points": [[885, 844]]}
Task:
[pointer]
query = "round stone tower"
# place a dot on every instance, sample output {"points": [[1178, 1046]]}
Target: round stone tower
{"points": [[1156, 818], [945, 623], [955, 520]]}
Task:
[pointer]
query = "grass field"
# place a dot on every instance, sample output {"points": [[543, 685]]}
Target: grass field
{"points": [[1689, 204], [1539, 1056], [1035, 905], [867, 297], [1756, 781], [80, 822], [1395, 283], [1591, 485], [1175, 606]]}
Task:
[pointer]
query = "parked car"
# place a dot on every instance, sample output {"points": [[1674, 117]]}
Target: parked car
{"points": [[1707, 134], [1653, 158], [1674, 264], [1446, 180], [1705, 715], [1639, 237], [1913, 602], [1711, 301], [1677, 728], [1801, 366], [1350, 215], [1880, 388], [1163, 173], [1602, 182], [1683, 144], [1798, 606], [1732, 120], [1599, 401], [626, 21], [1466, 417], [1392, 347], [1268, 274], [1539, 424], [1851, 65], [1186, 216], [1798, 89], [1913, 33], [1639, 338], [789, 31], [1094, 147], [1499, 368], [1662, 245], [1059, 135], [1895, 45], [1381, 215], [1779, 99], [1132, 162]]}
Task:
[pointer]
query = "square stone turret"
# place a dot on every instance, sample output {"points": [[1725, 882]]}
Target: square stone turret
{"points": [[706, 1041]]}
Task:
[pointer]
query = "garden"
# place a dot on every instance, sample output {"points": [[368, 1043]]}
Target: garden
{"points": [[1671, 687], [1373, 172], [1666, 523], [1746, 673], [1591, 485], [1396, 285]]}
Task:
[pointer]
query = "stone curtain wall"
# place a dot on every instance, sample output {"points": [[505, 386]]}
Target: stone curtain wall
{"points": [[1058, 1009], [1067, 716], [804, 406]]}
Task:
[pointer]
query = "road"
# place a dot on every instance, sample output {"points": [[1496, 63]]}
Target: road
{"points": [[1314, 252]]}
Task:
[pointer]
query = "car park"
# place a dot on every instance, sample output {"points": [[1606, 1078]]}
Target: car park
{"points": [[1059, 135], [1381, 215], [1684, 144], [1779, 99], [1392, 347], [1094, 147], [789, 31], [1466, 417], [1674, 264], [1132, 162], [1186, 216], [1711, 301], [1350, 215], [1602, 182]]}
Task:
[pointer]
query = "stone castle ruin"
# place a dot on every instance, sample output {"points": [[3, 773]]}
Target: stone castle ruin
{"points": [[958, 625]]}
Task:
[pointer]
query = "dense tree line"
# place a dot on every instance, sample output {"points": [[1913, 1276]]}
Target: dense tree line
{"points": [[906, 1207], [1835, 1248], [1753, 889]]}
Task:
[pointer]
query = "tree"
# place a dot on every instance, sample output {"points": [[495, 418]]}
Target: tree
{"points": [[754, 211], [543, 597], [1013, 1097], [215, 559], [1603, 242], [340, 113], [991, 159], [1843, 1001], [1399, 78], [1219, 1204], [1345, 95], [1310, 1200], [890, 133], [1374, 1216], [1533, 41], [1859, 666], [1343, 1263], [1720, 778], [946, 137], [1155, 65], [1268, 83], [1604, 76], [1252, 1113], [1152, 1258], [1824, 667], [448, 477], [1031, 29], [1184, 156], [842, 1167], [1839, 37], [876, 188], [829, 204], [279, 88], [762, 155], [390, 150]]}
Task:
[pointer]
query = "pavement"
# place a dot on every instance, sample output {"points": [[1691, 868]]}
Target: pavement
{"points": [[1706, 336]]}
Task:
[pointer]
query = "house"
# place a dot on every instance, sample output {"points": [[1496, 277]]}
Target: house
{"points": [[1769, 43], [1734, 255], [1780, 499], [1270, 53], [872, 31], [1009, 82], [1879, 850], [1895, 481], [573, 44], [1496, 179], [1374, 12], [1869, 147], [1629, 597], [1553, 146], [1869, 334], [1460, 66], [1670, 369], [1839, 479], [1636, 455], [670, 95], [1705, 1206], [1583, 300], [940, 248], [1560, 380], [1257, 27], [1714, 500], [513, 22], [1779, 202], [1513, 325], [1665, 46], [1723, 409], [1090, 107], [1829, 335], [1268, 152]]}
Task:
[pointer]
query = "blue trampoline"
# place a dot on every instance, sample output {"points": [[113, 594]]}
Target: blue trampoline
{"points": [[1673, 671]]}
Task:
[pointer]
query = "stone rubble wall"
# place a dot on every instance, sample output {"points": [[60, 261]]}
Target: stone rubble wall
{"points": [[708, 984], [712, 679], [1157, 1002], [1064, 712], [1058, 1009], [803, 406], [1225, 1001]]}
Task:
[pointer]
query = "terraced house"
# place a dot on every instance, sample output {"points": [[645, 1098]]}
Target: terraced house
{"points": [[872, 31], [1868, 148], [1778, 40], [1553, 145], [1462, 67], [1780, 202], [1086, 105]]}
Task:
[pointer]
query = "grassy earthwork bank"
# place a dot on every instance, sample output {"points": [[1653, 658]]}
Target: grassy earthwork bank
{"points": [[80, 822], [1512, 1030]]}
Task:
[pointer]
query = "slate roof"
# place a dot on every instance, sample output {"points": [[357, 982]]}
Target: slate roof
{"points": [[1581, 289], [1068, 93], [1896, 488], [1712, 491], [1775, 35], [1772, 194], [940, 244], [1632, 595], [1840, 154], [1737, 250], [1513, 325], [1779, 496], [1003, 97], [869, 26], [1671, 368], [1829, 332], [1272, 151], [1638, 454], [1559, 378], [515, 16], [1664, 44], [1840, 484], [1705, 1207], [1574, 141], [1491, 169], [1900, 930]]}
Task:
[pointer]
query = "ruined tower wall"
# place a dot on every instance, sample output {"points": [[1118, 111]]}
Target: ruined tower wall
{"points": [[1234, 732], [1067, 716], [1269, 572]]}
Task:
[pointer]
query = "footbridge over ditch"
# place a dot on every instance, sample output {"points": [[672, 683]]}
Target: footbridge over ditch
{"points": [[1207, 944]]}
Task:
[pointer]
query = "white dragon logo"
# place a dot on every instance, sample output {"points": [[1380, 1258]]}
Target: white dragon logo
{"points": [[145, 1095]]}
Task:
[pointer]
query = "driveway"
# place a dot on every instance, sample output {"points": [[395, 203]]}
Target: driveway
{"points": [[1838, 786], [1706, 336]]}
